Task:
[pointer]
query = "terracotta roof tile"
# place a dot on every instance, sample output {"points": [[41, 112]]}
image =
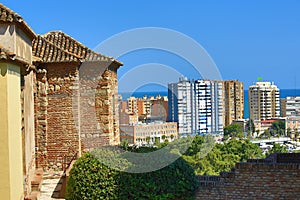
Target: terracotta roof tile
{"points": [[7, 15], [48, 52], [56, 46]]}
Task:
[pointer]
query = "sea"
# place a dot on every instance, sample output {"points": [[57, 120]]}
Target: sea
{"points": [[283, 93]]}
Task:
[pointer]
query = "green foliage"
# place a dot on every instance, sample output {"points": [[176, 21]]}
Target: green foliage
{"points": [[250, 126], [124, 144], [277, 148], [265, 135], [222, 157], [233, 130], [277, 128], [148, 139], [91, 179]]}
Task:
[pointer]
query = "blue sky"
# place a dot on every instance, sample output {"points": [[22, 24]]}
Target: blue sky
{"points": [[246, 39]]}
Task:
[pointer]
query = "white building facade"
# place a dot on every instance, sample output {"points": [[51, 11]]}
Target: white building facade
{"points": [[197, 106]]}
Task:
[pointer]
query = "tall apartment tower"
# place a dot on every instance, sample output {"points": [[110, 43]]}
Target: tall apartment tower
{"points": [[180, 106], [264, 102], [209, 106], [197, 106], [233, 101]]}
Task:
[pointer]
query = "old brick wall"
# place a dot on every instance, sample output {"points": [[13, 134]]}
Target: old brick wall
{"points": [[257, 180], [76, 109], [62, 134], [99, 124]]}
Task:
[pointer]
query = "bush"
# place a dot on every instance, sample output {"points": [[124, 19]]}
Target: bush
{"points": [[91, 179]]}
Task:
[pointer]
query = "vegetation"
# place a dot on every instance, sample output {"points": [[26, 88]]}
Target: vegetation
{"points": [[277, 148], [91, 179], [222, 157], [233, 130], [265, 135], [278, 128]]}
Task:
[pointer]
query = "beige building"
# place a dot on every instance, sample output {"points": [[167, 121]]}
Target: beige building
{"points": [[17, 145], [233, 101], [144, 134], [132, 105], [264, 101], [145, 107], [283, 107], [293, 123]]}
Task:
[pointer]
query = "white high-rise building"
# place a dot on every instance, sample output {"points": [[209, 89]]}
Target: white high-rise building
{"points": [[264, 102], [180, 105], [197, 106], [291, 107]]}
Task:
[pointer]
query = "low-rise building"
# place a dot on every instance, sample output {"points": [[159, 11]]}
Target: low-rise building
{"points": [[144, 134]]}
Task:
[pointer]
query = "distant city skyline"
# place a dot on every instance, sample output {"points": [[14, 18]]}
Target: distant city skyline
{"points": [[246, 39]]}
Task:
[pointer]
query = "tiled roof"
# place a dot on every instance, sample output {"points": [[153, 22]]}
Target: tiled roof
{"points": [[48, 52], [7, 15], [57, 46]]}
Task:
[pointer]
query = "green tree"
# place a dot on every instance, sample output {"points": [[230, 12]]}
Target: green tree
{"points": [[278, 128], [277, 148], [91, 179], [233, 130], [157, 142], [265, 134], [148, 139], [172, 136], [222, 157], [124, 144]]}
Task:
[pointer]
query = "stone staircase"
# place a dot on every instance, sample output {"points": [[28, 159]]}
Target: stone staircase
{"points": [[36, 184]]}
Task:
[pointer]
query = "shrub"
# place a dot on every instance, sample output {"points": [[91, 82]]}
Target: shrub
{"points": [[91, 179]]}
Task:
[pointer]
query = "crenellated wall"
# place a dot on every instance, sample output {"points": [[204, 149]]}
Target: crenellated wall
{"points": [[255, 179]]}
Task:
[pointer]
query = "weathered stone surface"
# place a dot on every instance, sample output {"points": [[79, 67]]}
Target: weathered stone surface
{"points": [[254, 180]]}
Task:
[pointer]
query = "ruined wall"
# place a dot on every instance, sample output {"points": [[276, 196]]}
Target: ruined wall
{"points": [[40, 110], [77, 110], [253, 180], [99, 120]]}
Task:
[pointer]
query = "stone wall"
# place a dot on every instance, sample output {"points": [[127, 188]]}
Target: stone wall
{"points": [[255, 179], [76, 110], [99, 120], [41, 125]]}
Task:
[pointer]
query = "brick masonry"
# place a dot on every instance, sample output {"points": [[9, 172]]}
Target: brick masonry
{"points": [[76, 110], [277, 178]]}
